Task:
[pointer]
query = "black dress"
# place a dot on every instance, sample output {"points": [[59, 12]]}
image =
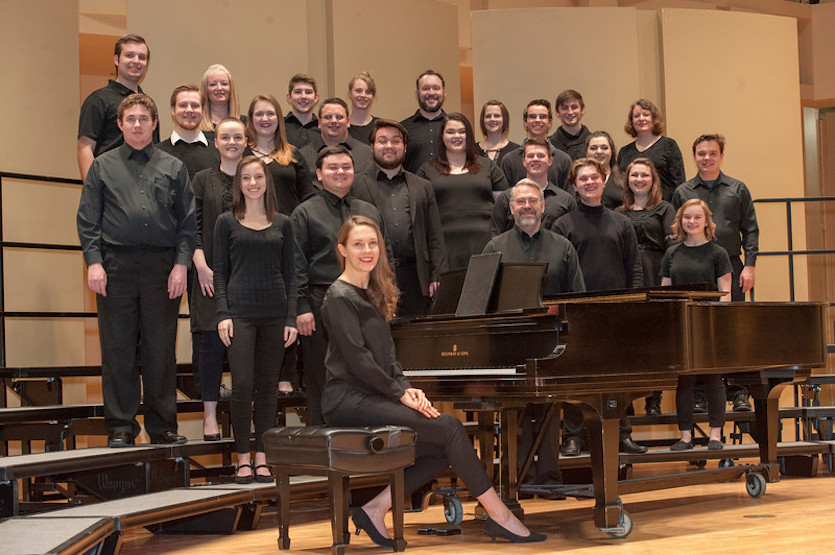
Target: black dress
{"points": [[666, 156], [502, 152], [655, 235], [465, 202]]}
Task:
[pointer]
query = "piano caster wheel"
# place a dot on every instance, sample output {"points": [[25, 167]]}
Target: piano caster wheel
{"points": [[623, 529], [700, 465], [453, 511], [755, 484], [726, 463]]}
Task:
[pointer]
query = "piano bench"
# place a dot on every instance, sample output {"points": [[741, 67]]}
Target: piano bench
{"points": [[338, 453]]}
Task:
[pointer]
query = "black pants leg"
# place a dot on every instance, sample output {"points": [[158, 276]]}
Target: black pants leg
{"points": [[212, 350], [441, 441], [255, 359], [314, 348], [546, 469], [715, 400]]}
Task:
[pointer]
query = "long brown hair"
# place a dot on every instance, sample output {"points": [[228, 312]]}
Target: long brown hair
{"points": [[654, 197], [283, 153], [238, 200], [441, 162], [382, 292]]}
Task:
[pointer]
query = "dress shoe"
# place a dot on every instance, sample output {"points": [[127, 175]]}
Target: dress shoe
{"points": [[571, 447], [741, 403], [700, 405], [628, 445], [169, 438], [715, 445], [211, 437], [652, 405], [247, 479], [494, 530], [224, 393], [363, 522], [264, 478], [681, 445], [120, 439]]}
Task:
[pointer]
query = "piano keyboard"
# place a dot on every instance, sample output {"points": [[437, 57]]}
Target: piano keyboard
{"points": [[460, 372]]}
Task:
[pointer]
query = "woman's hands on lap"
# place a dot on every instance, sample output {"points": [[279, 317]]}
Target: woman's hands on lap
{"points": [[416, 399]]}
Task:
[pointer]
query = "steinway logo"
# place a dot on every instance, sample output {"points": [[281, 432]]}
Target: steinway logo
{"points": [[455, 352]]}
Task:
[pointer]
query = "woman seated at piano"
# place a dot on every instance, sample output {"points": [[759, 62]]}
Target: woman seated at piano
{"points": [[365, 386], [698, 259]]}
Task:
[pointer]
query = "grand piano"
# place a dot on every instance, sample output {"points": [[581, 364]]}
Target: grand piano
{"points": [[601, 351]]}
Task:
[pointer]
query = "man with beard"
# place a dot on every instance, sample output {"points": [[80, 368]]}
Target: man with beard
{"points": [[537, 119], [413, 223], [608, 250], [425, 125], [333, 130], [188, 142], [537, 159]]}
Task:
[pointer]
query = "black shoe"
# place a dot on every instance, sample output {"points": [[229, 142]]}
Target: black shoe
{"points": [[120, 439], [652, 406], [628, 445], [681, 445], [169, 438], [700, 406], [494, 529], [741, 403], [571, 447], [363, 522], [211, 437], [244, 479], [715, 445], [264, 478], [224, 393]]}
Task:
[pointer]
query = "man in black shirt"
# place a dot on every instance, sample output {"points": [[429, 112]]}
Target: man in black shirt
{"points": [[537, 119], [608, 250], [537, 159], [333, 130], [736, 223], [98, 130], [425, 125], [528, 242], [316, 224], [187, 141], [571, 135], [136, 224], [413, 223], [300, 122]]}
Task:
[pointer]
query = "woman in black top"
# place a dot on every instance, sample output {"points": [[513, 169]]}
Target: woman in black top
{"points": [[698, 259], [212, 197], [365, 385], [601, 147], [465, 187], [495, 122], [645, 123], [256, 306]]}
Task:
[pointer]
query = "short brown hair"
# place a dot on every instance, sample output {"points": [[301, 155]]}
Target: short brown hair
{"points": [[302, 78], [538, 102], [427, 73], [363, 76], [331, 151], [710, 225], [536, 141], [657, 118], [187, 87], [710, 137], [117, 48], [569, 94], [333, 100], [383, 123], [582, 163], [138, 99]]}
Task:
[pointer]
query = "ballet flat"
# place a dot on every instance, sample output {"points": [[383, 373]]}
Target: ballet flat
{"points": [[211, 437], [494, 530], [363, 522]]}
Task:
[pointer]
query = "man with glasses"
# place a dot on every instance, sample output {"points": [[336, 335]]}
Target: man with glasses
{"points": [[333, 130], [537, 119]]}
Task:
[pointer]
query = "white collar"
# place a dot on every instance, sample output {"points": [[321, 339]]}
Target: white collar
{"points": [[200, 138]]}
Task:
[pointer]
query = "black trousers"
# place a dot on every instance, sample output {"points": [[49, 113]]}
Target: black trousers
{"points": [[545, 469], [412, 301], [255, 356], [572, 423], [441, 441], [715, 400], [137, 308], [212, 350], [314, 348]]}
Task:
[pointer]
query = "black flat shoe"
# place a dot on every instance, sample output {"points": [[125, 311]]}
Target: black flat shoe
{"points": [[494, 530], [244, 479], [681, 445], [120, 439], [715, 445], [264, 478], [362, 521], [211, 437], [169, 438]]}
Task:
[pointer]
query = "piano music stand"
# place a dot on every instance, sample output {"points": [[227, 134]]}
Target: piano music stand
{"points": [[478, 284]]}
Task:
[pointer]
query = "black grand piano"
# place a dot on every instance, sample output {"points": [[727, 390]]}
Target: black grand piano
{"points": [[505, 348]]}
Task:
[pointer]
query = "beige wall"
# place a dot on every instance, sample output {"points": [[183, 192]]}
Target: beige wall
{"points": [[39, 48], [750, 95], [823, 50], [552, 51]]}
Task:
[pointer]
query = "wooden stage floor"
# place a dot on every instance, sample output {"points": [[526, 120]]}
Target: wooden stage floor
{"points": [[795, 515]]}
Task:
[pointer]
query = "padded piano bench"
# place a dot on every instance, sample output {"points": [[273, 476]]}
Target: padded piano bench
{"points": [[338, 453]]}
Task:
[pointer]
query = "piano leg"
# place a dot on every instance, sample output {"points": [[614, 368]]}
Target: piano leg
{"points": [[509, 438], [604, 446]]}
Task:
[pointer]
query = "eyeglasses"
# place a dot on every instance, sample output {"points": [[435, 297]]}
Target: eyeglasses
{"points": [[533, 201], [329, 117], [537, 116]]}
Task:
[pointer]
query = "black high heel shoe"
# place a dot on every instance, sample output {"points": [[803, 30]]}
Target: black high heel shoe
{"points": [[494, 529], [363, 522]]}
